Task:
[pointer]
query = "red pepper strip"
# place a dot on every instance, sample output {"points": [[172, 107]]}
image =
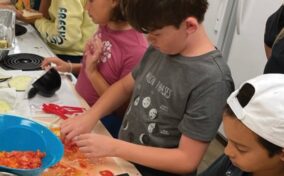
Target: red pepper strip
{"points": [[106, 173], [68, 109], [54, 110], [74, 108]]}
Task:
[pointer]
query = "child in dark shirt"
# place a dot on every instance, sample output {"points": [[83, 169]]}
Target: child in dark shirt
{"points": [[274, 42], [254, 125]]}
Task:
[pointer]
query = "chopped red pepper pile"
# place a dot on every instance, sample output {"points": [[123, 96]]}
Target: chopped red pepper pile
{"points": [[21, 159]]}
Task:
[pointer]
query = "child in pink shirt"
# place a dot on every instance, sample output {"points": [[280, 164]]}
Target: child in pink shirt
{"points": [[121, 51], [109, 55]]}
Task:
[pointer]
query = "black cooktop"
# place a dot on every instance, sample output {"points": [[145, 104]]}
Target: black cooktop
{"points": [[22, 61]]}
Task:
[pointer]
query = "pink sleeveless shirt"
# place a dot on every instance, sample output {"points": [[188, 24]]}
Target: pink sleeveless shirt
{"points": [[122, 51]]}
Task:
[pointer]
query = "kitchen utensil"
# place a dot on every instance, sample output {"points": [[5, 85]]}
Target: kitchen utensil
{"points": [[21, 134], [20, 30], [7, 31], [61, 111], [67, 75], [46, 85]]}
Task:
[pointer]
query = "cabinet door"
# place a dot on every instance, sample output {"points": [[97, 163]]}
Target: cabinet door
{"points": [[216, 20], [247, 55]]}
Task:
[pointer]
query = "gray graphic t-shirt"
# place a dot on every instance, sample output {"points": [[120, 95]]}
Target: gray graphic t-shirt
{"points": [[176, 95]]}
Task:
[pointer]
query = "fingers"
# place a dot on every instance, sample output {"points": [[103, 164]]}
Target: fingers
{"points": [[55, 62], [90, 47], [81, 140], [71, 135], [84, 142], [69, 132], [98, 45], [44, 63], [47, 62], [83, 137], [19, 13], [89, 145], [95, 46], [67, 137], [66, 130]]}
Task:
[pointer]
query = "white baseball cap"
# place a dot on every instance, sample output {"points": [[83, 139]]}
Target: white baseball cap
{"points": [[264, 113]]}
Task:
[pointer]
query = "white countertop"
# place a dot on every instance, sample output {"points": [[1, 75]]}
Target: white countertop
{"points": [[31, 42], [32, 107]]}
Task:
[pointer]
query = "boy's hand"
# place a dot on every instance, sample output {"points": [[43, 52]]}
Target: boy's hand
{"points": [[75, 126], [61, 65], [96, 145]]}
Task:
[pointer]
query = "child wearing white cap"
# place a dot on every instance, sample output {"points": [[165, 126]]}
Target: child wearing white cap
{"points": [[254, 125]]}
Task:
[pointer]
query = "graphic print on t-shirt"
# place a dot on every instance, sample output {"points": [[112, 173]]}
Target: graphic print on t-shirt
{"points": [[106, 54], [106, 49], [146, 103]]}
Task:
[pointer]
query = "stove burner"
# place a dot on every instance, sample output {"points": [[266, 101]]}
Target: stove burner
{"points": [[20, 30], [23, 61]]}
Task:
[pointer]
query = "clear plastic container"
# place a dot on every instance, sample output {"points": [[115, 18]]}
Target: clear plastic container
{"points": [[7, 31]]}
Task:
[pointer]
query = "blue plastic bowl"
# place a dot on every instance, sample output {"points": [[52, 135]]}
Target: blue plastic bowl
{"points": [[17, 133]]}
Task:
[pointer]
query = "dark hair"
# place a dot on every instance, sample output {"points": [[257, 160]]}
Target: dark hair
{"points": [[149, 15], [244, 96], [117, 15]]}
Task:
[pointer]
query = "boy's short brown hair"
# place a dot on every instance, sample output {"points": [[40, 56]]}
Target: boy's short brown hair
{"points": [[149, 15]]}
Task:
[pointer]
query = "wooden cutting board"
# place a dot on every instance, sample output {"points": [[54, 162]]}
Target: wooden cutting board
{"points": [[74, 163], [68, 167]]}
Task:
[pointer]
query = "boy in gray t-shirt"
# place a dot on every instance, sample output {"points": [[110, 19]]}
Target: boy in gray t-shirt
{"points": [[178, 93]]}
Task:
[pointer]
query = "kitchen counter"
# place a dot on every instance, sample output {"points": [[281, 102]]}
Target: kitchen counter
{"points": [[31, 42]]}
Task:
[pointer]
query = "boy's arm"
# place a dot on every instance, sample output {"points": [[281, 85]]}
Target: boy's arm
{"points": [[183, 159], [115, 96]]}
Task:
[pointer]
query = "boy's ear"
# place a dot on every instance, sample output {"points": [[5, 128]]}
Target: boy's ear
{"points": [[282, 155], [191, 24]]}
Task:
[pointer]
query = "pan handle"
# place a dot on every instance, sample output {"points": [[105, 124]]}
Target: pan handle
{"points": [[32, 92]]}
